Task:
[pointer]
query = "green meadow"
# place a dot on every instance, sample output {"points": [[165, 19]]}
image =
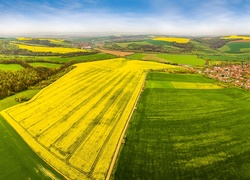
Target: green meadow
{"points": [[10, 67], [18, 161], [85, 58], [228, 57], [10, 101], [47, 65], [171, 58], [182, 133], [182, 59], [236, 47]]}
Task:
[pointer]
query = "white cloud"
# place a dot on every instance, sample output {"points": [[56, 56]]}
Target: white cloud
{"points": [[211, 17]]}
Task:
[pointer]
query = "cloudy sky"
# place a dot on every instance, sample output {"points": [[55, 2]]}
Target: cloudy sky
{"points": [[176, 17]]}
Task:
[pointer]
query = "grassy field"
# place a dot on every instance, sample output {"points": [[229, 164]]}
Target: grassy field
{"points": [[86, 58], [182, 59], [87, 110], [172, 58], [145, 42], [228, 57], [235, 47], [159, 42], [43, 64], [10, 67], [125, 44], [10, 101], [187, 133], [18, 161]]}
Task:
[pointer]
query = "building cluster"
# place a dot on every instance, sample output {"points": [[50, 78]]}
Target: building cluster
{"points": [[83, 45], [235, 74]]}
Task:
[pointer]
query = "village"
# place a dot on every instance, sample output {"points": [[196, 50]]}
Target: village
{"points": [[234, 74]]}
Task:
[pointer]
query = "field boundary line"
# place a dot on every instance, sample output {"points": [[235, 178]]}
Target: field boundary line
{"points": [[118, 147]]}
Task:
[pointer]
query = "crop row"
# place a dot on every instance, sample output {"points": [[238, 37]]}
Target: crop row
{"points": [[75, 123]]}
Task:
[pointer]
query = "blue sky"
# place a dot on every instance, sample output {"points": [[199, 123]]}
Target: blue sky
{"points": [[177, 17]]}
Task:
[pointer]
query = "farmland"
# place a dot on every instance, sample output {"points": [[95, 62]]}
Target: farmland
{"points": [[182, 59], [85, 58], [172, 39], [48, 39], [10, 67], [49, 49], [228, 57], [236, 47], [171, 58], [18, 161], [187, 133], [75, 123], [10, 101], [42, 64], [236, 37], [116, 53], [184, 126]]}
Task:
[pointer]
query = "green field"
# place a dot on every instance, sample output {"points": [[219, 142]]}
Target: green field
{"points": [[228, 57], [86, 58], [235, 47], [10, 67], [172, 58], [10, 101], [18, 161], [125, 44], [187, 133], [145, 42], [42, 64], [160, 43], [182, 59], [59, 59]]}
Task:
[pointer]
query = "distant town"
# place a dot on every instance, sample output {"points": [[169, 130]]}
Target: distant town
{"points": [[234, 74]]}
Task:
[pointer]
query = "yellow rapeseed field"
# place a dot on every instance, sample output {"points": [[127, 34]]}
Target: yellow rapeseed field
{"points": [[236, 37], [49, 39], [75, 123], [172, 39], [24, 39], [49, 49]]}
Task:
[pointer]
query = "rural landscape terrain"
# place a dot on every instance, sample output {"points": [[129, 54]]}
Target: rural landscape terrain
{"points": [[125, 107]]}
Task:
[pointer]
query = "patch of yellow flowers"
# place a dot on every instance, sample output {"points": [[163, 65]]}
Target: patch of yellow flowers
{"points": [[49, 49], [51, 40], [75, 123], [236, 37], [172, 39]]}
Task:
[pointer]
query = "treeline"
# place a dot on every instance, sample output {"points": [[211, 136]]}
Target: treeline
{"points": [[213, 43], [73, 54], [11, 49], [12, 82], [17, 51], [145, 47], [42, 42], [187, 47], [160, 48], [24, 64]]}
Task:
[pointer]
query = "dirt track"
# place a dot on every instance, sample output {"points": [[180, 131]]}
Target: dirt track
{"points": [[117, 53], [122, 135]]}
